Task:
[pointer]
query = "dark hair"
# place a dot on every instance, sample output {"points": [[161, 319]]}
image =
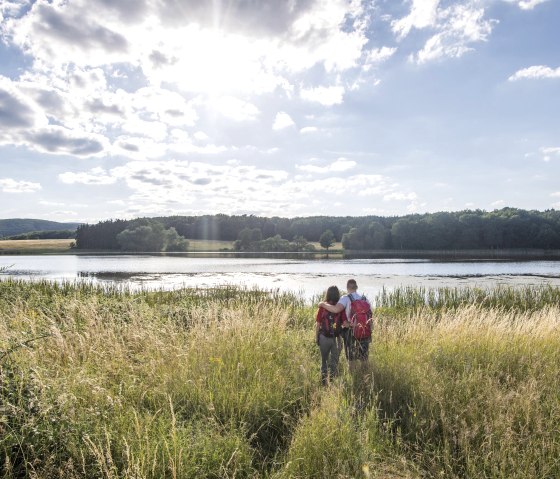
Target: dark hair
{"points": [[332, 295], [351, 284]]}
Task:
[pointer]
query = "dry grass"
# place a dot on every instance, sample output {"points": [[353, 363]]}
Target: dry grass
{"points": [[35, 245], [209, 245], [225, 383]]}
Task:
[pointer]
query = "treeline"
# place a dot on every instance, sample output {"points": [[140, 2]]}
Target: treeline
{"points": [[471, 229], [57, 234], [17, 226]]}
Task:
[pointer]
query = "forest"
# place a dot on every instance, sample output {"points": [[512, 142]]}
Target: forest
{"points": [[507, 228]]}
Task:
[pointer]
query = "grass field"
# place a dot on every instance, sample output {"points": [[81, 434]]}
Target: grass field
{"points": [[209, 245], [225, 383], [35, 246], [63, 245]]}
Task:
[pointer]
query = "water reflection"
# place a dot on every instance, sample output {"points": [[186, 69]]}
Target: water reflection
{"points": [[277, 272]]}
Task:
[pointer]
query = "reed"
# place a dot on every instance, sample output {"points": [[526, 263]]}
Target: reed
{"points": [[473, 392], [105, 382]]}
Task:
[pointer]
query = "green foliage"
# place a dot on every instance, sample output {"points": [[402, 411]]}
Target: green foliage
{"points": [[272, 244], [508, 228], [327, 239], [150, 235], [174, 242], [367, 237], [225, 382], [17, 226], [55, 234]]}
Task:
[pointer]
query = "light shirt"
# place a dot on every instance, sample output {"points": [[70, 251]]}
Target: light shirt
{"points": [[345, 301]]}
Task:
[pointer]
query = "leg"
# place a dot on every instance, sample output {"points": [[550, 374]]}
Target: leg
{"points": [[333, 360], [324, 347]]}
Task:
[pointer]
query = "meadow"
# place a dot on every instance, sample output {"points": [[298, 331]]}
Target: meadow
{"points": [[35, 246], [224, 383]]}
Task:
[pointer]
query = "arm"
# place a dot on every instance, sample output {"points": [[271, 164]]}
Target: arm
{"points": [[337, 308], [317, 326]]}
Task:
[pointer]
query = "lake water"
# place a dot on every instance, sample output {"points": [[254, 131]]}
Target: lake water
{"points": [[303, 276]]}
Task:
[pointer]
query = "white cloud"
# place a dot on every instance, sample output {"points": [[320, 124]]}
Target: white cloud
{"points": [[555, 194], [327, 96], [423, 13], [235, 108], [498, 204], [9, 185], [201, 136], [377, 56], [400, 196], [535, 72], [549, 152], [337, 166], [455, 28], [342, 164], [460, 26], [308, 129], [95, 176], [282, 120], [527, 4]]}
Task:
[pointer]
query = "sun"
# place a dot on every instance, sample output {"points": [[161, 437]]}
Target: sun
{"points": [[215, 62]]}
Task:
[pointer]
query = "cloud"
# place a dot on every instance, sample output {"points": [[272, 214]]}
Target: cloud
{"points": [[400, 196], [423, 13], [95, 176], [498, 204], [17, 111], [235, 108], [377, 56], [455, 28], [282, 120], [549, 152], [59, 140], [527, 4], [535, 72], [339, 165], [327, 96], [462, 26], [308, 129], [9, 185]]}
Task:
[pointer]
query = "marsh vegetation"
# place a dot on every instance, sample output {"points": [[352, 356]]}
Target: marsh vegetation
{"points": [[104, 382]]}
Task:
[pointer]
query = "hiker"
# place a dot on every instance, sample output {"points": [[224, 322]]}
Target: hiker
{"points": [[328, 327], [356, 330]]}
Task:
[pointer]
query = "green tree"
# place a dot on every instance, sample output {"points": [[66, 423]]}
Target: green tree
{"points": [[142, 238], [326, 240], [299, 243], [174, 242]]}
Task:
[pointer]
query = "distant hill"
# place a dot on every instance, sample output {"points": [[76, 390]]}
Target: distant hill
{"points": [[17, 226]]}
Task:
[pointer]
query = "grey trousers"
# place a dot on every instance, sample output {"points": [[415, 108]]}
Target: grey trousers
{"points": [[330, 352]]}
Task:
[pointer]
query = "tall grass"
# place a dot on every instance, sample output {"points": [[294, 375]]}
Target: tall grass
{"points": [[106, 383], [524, 298], [474, 392], [103, 382]]}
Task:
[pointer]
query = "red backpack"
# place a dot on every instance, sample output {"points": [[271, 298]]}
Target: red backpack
{"points": [[330, 324], [360, 317]]}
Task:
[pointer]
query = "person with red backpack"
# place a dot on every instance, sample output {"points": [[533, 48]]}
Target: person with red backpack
{"points": [[358, 328], [328, 328]]}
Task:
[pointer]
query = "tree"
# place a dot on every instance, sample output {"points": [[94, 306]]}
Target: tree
{"points": [[141, 238], [174, 242], [326, 240]]}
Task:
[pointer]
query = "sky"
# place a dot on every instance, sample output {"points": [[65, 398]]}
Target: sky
{"points": [[133, 108]]}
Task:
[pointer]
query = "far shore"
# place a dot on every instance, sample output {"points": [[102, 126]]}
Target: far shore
{"points": [[215, 248]]}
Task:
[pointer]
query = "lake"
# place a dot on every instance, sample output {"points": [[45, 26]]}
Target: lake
{"points": [[303, 276]]}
